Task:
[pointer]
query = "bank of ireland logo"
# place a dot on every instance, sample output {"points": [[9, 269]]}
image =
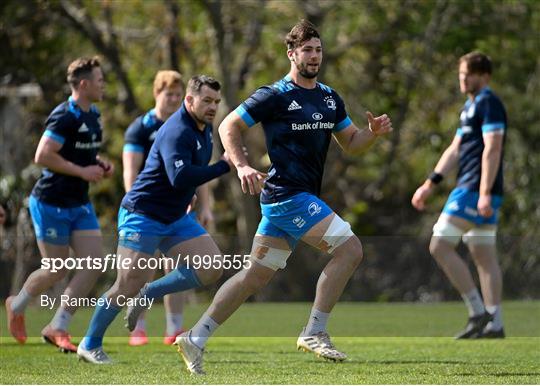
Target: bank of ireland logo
{"points": [[330, 102], [299, 221], [314, 209], [317, 116]]}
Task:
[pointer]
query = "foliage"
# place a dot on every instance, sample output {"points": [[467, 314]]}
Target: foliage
{"points": [[397, 57]]}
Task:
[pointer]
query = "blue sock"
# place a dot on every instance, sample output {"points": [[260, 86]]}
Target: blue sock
{"points": [[180, 279], [102, 318]]}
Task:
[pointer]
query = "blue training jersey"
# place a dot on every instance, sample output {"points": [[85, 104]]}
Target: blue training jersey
{"points": [[140, 135], [177, 164], [484, 114], [298, 124], [79, 133]]}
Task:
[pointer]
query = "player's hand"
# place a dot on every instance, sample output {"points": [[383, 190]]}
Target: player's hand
{"points": [[484, 205], [252, 180], [2, 215], [420, 196], [92, 173], [108, 167], [191, 205], [379, 125], [205, 217]]}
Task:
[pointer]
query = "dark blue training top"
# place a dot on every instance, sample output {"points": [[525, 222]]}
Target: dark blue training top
{"points": [[298, 125], [79, 133], [485, 114], [140, 135], [176, 166]]}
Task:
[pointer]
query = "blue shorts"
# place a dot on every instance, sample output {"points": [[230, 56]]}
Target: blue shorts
{"points": [[292, 218], [54, 224], [463, 203], [141, 233]]}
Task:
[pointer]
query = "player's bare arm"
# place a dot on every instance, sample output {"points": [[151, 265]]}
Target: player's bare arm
{"points": [[355, 141], [446, 164], [47, 155], [491, 157], [132, 162], [205, 216], [229, 131]]}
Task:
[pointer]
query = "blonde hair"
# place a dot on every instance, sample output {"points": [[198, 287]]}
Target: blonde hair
{"points": [[167, 78]]}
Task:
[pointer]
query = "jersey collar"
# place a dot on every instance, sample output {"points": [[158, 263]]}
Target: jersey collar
{"points": [[190, 121], [74, 107]]}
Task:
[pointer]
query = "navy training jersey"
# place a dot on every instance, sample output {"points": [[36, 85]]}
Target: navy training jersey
{"points": [[79, 132], [484, 114], [140, 135], [298, 124], [177, 164]]}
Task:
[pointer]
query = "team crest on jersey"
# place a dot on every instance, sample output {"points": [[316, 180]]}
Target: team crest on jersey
{"points": [[178, 163], [330, 102]]}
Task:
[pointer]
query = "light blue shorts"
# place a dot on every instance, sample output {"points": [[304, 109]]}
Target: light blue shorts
{"points": [[292, 218], [463, 203], [54, 224], [141, 233]]}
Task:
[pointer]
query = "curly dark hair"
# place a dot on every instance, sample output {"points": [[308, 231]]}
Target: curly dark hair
{"points": [[303, 31]]}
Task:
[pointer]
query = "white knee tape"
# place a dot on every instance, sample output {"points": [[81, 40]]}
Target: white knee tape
{"points": [[480, 236], [272, 258], [448, 232], [337, 233]]}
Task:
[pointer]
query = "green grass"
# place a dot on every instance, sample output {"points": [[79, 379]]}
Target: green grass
{"points": [[386, 343]]}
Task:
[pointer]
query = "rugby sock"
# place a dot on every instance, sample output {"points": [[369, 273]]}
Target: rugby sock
{"points": [[474, 302], [317, 322], [174, 322], [201, 331], [496, 324], [141, 324], [18, 305], [61, 319], [103, 316], [180, 279]]}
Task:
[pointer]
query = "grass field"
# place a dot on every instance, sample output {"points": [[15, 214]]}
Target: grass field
{"points": [[386, 343]]}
